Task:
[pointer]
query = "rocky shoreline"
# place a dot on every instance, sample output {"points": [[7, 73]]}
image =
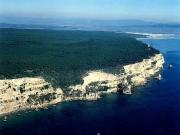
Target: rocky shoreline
{"points": [[32, 93]]}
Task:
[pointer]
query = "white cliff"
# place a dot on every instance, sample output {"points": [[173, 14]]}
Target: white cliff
{"points": [[25, 93], [132, 75]]}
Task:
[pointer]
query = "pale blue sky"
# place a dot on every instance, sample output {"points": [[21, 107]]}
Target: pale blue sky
{"points": [[150, 10]]}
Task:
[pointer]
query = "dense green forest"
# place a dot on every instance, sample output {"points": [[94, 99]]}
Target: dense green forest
{"points": [[62, 57]]}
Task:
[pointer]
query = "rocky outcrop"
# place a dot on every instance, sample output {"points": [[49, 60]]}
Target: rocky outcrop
{"points": [[98, 82], [24, 93]]}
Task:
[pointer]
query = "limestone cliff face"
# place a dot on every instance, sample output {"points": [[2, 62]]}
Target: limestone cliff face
{"points": [[138, 73], [24, 93], [98, 82]]}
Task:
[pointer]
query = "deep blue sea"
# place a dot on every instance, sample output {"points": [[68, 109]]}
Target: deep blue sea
{"points": [[153, 109]]}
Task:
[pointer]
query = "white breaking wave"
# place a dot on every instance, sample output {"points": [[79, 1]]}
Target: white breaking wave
{"points": [[153, 35]]}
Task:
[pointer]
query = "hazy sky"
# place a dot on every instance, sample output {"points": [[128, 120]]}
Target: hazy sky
{"points": [[150, 10]]}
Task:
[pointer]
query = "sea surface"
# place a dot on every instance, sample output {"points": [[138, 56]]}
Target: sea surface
{"points": [[153, 109]]}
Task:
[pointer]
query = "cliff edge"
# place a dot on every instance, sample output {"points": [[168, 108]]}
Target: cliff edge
{"points": [[35, 92]]}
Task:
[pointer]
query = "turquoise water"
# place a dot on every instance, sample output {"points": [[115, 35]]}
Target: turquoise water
{"points": [[151, 110]]}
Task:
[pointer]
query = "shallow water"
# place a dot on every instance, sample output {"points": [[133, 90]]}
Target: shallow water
{"points": [[151, 110]]}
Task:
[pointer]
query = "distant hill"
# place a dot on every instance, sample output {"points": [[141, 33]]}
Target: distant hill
{"points": [[106, 25]]}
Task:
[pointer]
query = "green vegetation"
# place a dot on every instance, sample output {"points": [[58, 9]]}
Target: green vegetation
{"points": [[92, 87], [62, 57], [22, 88], [38, 99]]}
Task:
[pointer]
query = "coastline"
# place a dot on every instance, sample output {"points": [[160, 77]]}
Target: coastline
{"points": [[35, 92]]}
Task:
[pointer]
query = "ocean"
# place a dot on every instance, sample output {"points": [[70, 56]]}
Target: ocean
{"points": [[153, 109]]}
